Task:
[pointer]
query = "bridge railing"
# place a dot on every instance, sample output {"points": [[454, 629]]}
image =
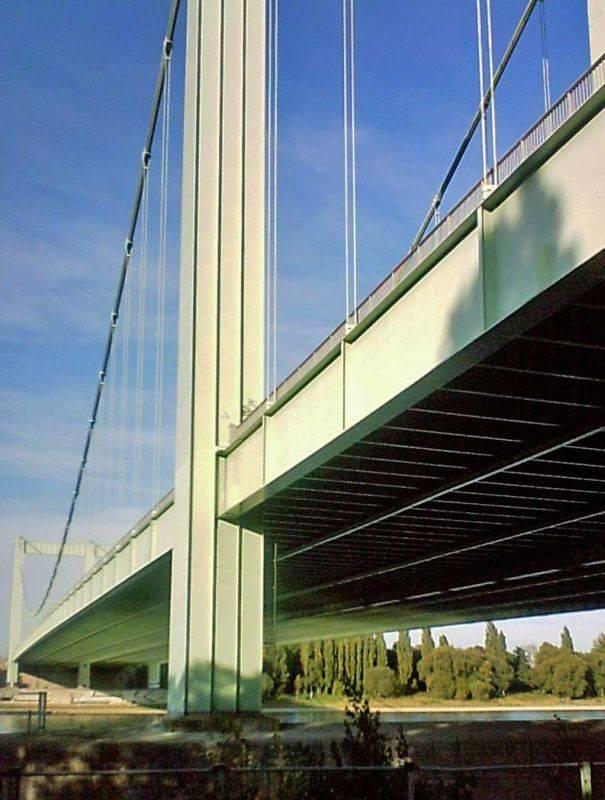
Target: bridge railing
{"points": [[556, 116], [555, 780]]}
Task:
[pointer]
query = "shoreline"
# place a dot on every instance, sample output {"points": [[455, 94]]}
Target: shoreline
{"points": [[122, 709], [445, 709], [96, 709]]}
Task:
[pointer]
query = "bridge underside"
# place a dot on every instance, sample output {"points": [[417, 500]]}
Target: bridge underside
{"points": [[128, 625], [482, 499]]}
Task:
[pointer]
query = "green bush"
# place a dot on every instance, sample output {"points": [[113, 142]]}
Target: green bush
{"points": [[569, 676], [379, 682]]}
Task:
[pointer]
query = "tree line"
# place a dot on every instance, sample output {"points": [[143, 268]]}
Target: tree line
{"points": [[364, 666]]}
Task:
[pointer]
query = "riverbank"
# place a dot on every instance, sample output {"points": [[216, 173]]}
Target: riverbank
{"points": [[521, 701], [78, 702]]}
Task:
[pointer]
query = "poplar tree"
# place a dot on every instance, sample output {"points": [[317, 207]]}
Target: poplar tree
{"points": [[405, 658], [427, 643], [358, 664], [369, 654], [305, 660], [281, 673], [330, 665], [350, 660], [381, 651], [317, 667], [596, 660], [495, 651], [566, 640]]}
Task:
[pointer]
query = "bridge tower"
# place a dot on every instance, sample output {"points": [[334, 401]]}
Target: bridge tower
{"points": [[216, 596]]}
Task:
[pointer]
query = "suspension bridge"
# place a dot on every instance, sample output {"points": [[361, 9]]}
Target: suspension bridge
{"points": [[437, 459]]}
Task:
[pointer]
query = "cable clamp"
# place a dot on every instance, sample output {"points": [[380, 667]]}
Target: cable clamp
{"points": [[128, 247], [114, 318], [145, 159], [102, 376], [167, 48]]}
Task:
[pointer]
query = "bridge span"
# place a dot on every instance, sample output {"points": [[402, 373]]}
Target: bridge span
{"points": [[438, 459]]}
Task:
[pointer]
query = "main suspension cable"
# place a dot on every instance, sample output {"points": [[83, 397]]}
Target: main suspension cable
{"points": [[435, 204], [115, 313]]}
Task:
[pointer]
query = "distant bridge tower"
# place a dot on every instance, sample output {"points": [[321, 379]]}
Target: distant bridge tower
{"points": [[217, 568]]}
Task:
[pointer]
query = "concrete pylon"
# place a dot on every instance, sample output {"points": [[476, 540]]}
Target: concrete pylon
{"points": [[154, 674], [216, 595], [90, 552], [83, 679]]}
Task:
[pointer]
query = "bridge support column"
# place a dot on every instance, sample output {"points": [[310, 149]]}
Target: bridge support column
{"points": [[154, 674], [16, 612], [216, 593], [84, 676]]}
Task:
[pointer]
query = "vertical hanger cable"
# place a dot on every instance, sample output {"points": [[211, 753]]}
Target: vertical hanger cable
{"points": [[490, 46], [481, 91]]}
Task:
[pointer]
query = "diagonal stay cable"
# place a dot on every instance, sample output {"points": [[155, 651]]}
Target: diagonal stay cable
{"points": [[115, 313], [475, 122]]}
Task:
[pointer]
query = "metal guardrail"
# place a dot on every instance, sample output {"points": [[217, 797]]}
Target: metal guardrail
{"points": [[559, 113], [220, 781]]}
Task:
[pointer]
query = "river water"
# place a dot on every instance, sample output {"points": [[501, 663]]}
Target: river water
{"points": [[298, 716]]}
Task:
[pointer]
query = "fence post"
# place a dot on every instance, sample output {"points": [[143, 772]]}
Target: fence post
{"points": [[411, 784], [42, 696], [586, 780], [220, 782], [10, 784]]}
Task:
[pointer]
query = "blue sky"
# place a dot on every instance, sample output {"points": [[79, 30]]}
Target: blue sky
{"points": [[75, 92]]}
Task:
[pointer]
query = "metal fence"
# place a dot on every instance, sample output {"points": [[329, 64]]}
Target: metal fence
{"points": [[558, 114], [569, 780]]}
